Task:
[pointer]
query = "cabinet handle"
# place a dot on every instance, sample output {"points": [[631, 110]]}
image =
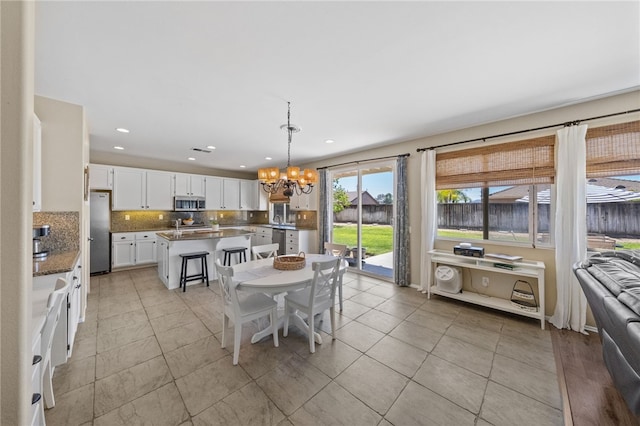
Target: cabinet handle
{"points": [[36, 359], [130, 244], [122, 238]]}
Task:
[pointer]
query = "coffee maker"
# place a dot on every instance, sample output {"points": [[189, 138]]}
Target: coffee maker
{"points": [[38, 232]]}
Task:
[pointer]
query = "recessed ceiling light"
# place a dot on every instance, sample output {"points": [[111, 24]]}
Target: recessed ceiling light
{"points": [[191, 159], [211, 147], [122, 130], [329, 141], [242, 166], [118, 147], [268, 158]]}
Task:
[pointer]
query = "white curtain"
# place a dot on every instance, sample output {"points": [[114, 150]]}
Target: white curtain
{"points": [[571, 226], [429, 212]]}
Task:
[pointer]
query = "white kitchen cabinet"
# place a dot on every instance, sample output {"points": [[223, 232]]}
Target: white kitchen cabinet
{"points": [[159, 193], [222, 194], [303, 201], [37, 164], [231, 194], [163, 260], [263, 236], [123, 249], [139, 189], [248, 195], [145, 247], [263, 198], [300, 240], [133, 248], [128, 189], [100, 176], [190, 185], [65, 332]]}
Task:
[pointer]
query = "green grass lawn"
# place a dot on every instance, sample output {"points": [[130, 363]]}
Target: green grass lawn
{"points": [[377, 239]]}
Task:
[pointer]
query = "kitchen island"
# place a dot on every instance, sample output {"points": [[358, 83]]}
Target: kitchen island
{"points": [[173, 244]]}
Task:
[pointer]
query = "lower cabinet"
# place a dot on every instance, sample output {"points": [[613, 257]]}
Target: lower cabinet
{"points": [[133, 248], [300, 241]]}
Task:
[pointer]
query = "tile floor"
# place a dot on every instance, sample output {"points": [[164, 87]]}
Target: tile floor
{"points": [[146, 355]]}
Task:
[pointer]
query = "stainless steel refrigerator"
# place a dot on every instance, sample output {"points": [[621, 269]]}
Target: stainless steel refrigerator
{"points": [[100, 239]]}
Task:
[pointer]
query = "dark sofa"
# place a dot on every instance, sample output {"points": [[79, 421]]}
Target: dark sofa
{"points": [[611, 283]]}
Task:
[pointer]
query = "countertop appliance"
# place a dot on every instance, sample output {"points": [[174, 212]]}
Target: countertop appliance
{"points": [[38, 232], [188, 204], [99, 236]]}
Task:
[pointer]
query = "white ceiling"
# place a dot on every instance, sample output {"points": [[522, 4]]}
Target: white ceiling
{"points": [[191, 74]]}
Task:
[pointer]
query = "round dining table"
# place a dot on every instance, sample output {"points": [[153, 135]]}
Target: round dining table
{"points": [[260, 276]]}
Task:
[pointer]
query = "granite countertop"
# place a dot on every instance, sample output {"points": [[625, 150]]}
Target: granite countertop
{"points": [[55, 263], [183, 228], [203, 235]]}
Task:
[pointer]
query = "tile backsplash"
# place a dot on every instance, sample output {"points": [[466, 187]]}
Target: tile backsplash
{"points": [[149, 220], [64, 232]]}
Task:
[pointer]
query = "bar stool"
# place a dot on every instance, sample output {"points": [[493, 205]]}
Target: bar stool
{"points": [[240, 251], [204, 269]]}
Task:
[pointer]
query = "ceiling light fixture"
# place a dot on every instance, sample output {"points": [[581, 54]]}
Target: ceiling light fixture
{"points": [[191, 159], [329, 141], [118, 147], [291, 180], [122, 130], [211, 147], [268, 158]]}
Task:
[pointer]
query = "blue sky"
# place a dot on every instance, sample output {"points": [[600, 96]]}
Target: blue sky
{"points": [[375, 183]]}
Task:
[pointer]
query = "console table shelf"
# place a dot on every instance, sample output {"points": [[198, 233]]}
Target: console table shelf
{"points": [[522, 268]]}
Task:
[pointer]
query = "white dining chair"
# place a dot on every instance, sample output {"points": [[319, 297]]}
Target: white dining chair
{"points": [[242, 309], [265, 251], [54, 307], [338, 250], [314, 299]]}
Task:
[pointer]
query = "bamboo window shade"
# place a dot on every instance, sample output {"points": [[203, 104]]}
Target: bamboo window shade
{"points": [[524, 162], [613, 150]]}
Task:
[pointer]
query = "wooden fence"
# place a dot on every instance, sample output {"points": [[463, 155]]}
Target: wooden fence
{"points": [[381, 214], [618, 220]]}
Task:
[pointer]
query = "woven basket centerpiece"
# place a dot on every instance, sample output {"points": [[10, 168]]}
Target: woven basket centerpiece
{"points": [[289, 263]]}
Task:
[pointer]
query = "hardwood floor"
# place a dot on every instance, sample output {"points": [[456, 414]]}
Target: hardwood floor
{"points": [[592, 397]]}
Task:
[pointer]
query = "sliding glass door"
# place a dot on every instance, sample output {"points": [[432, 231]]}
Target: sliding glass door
{"points": [[363, 205]]}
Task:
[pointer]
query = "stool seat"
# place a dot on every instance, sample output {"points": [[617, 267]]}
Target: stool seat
{"points": [[240, 251], [204, 269]]}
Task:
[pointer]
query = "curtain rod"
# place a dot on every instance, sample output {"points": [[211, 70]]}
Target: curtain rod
{"points": [[568, 123], [364, 161]]}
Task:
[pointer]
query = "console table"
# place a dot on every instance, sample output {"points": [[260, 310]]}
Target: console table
{"points": [[522, 268]]}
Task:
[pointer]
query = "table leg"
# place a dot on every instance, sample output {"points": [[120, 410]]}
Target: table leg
{"points": [[297, 321]]}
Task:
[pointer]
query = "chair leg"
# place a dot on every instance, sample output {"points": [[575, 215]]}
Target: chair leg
{"points": [[274, 325], [237, 334], [47, 388], [332, 312], [340, 291], [285, 327], [225, 324], [312, 340]]}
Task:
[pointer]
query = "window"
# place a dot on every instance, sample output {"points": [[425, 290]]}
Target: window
{"points": [[279, 213], [497, 192], [613, 186]]}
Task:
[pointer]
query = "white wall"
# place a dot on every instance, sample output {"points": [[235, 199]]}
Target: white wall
{"points": [[16, 158], [608, 105]]}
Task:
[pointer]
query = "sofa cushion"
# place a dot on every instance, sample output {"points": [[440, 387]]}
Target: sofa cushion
{"points": [[631, 298], [632, 256], [615, 274]]}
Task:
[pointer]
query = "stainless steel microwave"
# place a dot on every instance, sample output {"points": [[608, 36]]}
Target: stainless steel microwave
{"points": [[189, 204]]}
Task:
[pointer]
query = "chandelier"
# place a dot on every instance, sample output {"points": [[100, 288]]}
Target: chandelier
{"points": [[291, 180]]}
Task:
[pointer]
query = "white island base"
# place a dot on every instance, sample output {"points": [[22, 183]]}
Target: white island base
{"points": [[171, 247]]}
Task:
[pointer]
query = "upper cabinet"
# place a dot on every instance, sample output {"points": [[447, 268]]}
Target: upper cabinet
{"points": [[248, 195], [223, 193], [137, 189], [100, 176], [190, 185], [304, 201], [37, 164]]}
